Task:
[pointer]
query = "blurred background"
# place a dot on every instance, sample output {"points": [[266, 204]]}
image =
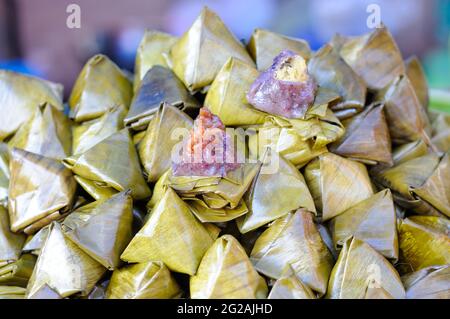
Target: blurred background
{"points": [[35, 39]]}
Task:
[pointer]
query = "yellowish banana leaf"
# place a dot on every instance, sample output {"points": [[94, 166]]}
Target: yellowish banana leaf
{"points": [[19, 98], [373, 221], [366, 138], [90, 133], [9, 292], [332, 72], [41, 190], [47, 133], [293, 242], [278, 179], [322, 130], [100, 86], [416, 75], [286, 142], [99, 291], [265, 45], [160, 85], [377, 293], [161, 137], [290, 287], [10, 243], [424, 242], [151, 50], [441, 130], [159, 238], [421, 184], [407, 119], [428, 283], [216, 199], [442, 141], [227, 273], [19, 272], [4, 174], [337, 184], [199, 54], [409, 151], [150, 280], [226, 97], [35, 242], [64, 267], [359, 268], [375, 57], [102, 229], [112, 163]]}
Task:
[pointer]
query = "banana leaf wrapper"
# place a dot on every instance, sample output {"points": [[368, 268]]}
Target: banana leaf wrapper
{"points": [[47, 133], [293, 242], [63, 267], [375, 57], [407, 119], [150, 280], [290, 287], [264, 46], [409, 151], [359, 268], [160, 85], [89, 133], [441, 130], [442, 141], [4, 174], [45, 292], [332, 72], [112, 165], [416, 75], [320, 130], [9, 292], [102, 229], [227, 273], [41, 190], [100, 86], [286, 142], [366, 138], [156, 147], [21, 95], [35, 242], [421, 184], [373, 221], [152, 48], [337, 184], [216, 199], [226, 97], [377, 293], [424, 242], [159, 238], [19, 272], [201, 52], [278, 179], [428, 283], [11, 243]]}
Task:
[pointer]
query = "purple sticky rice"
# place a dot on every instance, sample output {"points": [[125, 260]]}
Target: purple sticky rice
{"points": [[284, 98]]}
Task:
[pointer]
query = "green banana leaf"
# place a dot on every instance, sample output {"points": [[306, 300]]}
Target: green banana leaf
{"points": [[19, 272], [11, 243]]}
